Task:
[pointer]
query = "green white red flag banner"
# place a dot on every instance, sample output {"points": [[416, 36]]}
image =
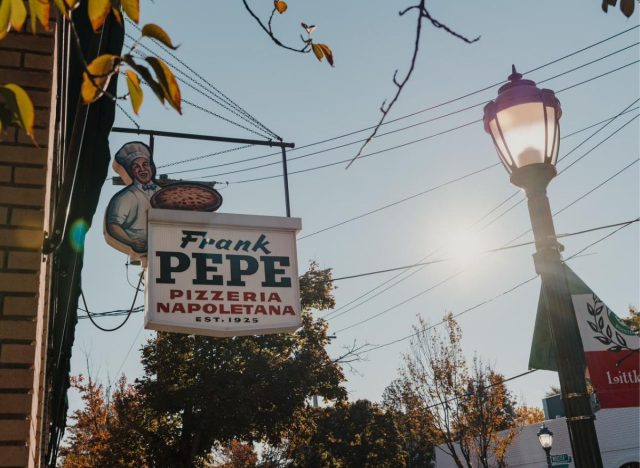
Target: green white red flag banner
{"points": [[612, 350]]}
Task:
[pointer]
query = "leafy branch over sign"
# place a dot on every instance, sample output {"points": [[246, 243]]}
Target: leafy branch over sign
{"points": [[604, 334], [16, 107]]}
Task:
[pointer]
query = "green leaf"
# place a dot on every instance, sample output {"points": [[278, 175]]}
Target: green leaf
{"points": [[146, 76], [135, 91], [156, 32], [20, 106], [5, 17], [626, 7], [18, 14], [98, 11], [168, 82], [317, 50], [132, 9]]}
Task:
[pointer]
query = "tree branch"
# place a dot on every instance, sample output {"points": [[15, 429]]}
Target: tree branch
{"points": [[385, 109], [269, 33]]}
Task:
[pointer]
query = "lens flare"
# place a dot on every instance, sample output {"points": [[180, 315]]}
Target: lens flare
{"points": [[77, 234]]}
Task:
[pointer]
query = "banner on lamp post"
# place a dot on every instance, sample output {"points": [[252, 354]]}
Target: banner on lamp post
{"points": [[221, 274], [611, 348]]}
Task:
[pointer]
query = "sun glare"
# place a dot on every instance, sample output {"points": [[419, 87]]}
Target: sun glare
{"points": [[465, 247]]}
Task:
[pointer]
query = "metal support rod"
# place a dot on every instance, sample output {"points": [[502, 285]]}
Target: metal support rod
{"points": [[285, 174], [194, 136], [547, 452], [565, 334], [151, 142]]}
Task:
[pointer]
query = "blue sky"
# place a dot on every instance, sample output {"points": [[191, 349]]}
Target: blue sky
{"points": [[305, 101]]}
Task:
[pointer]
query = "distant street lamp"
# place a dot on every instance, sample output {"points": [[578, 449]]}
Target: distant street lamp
{"points": [[545, 436], [524, 124]]}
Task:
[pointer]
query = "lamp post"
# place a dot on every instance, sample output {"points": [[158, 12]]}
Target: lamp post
{"points": [[523, 122], [545, 436]]}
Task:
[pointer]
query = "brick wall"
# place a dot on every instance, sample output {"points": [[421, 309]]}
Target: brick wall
{"points": [[27, 60]]}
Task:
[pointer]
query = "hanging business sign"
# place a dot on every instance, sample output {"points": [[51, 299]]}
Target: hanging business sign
{"points": [[221, 274], [125, 222]]}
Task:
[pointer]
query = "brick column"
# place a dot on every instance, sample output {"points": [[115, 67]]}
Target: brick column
{"points": [[25, 181]]}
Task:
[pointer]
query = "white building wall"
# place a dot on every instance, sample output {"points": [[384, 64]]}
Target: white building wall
{"points": [[618, 435]]}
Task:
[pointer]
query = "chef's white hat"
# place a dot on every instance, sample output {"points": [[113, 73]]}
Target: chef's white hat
{"points": [[130, 152]]}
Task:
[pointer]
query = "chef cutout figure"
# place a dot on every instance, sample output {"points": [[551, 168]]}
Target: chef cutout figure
{"points": [[125, 224]]}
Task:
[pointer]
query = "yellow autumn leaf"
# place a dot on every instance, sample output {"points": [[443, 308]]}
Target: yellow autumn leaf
{"points": [[39, 10], [156, 32], [317, 50], [5, 17], [132, 9], [327, 53], [100, 69], [117, 15], [18, 14], [135, 91], [280, 6], [168, 82], [21, 106], [98, 11]]}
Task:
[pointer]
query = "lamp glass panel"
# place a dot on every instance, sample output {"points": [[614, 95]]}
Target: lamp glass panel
{"points": [[502, 151], [523, 129], [545, 440], [554, 156]]}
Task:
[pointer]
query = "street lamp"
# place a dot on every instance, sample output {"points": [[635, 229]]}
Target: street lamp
{"points": [[545, 436], [523, 122]]}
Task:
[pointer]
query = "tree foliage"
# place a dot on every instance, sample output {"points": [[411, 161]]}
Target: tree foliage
{"points": [[102, 433], [358, 434], [199, 393], [633, 320], [467, 410]]}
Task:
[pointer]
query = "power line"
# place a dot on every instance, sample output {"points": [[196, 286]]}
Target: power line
{"points": [[424, 110], [323, 166], [450, 101], [213, 90], [519, 285], [118, 312], [89, 315], [340, 311], [412, 297], [204, 156], [485, 252], [210, 112], [431, 189]]}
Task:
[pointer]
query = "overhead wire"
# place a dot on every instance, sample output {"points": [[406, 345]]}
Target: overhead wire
{"points": [[104, 329], [419, 123], [210, 87], [431, 189], [341, 311], [450, 277], [476, 306], [458, 98], [323, 166], [118, 312], [213, 113]]}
